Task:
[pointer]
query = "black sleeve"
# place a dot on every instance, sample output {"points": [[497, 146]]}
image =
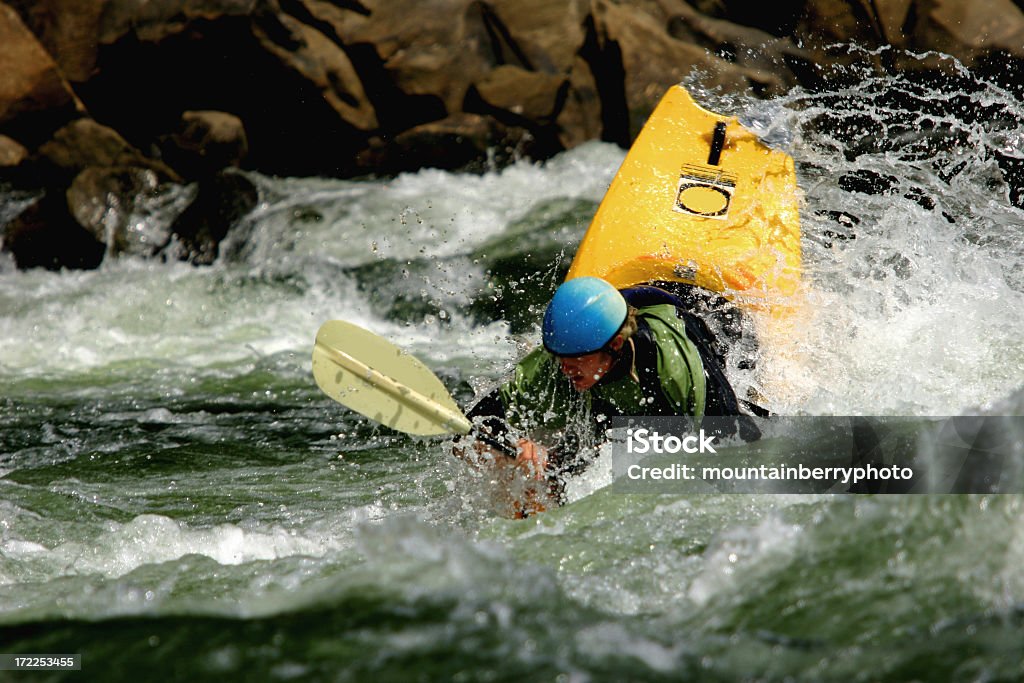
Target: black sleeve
{"points": [[490, 427]]}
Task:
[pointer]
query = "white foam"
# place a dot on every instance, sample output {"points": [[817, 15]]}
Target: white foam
{"points": [[742, 550], [152, 539]]}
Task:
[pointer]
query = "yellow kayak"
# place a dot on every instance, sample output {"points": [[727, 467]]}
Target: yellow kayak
{"points": [[700, 200]]}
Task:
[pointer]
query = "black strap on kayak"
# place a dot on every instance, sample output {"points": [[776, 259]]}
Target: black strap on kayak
{"points": [[717, 144]]}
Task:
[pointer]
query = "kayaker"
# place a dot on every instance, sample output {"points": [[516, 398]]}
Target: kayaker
{"points": [[605, 353]]}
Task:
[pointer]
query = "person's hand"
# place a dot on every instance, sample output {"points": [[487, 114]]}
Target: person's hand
{"points": [[532, 458]]}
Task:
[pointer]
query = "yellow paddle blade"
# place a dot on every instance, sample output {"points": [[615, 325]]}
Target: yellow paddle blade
{"points": [[372, 376]]}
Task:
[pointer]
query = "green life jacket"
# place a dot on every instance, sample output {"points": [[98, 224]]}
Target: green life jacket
{"points": [[661, 374]]}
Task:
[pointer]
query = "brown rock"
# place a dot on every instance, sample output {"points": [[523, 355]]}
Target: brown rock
{"points": [[12, 154], [580, 117], [323, 64], [155, 20], [220, 202], [46, 236], [824, 22], [458, 141], [650, 61], [546, 34], [73, 31], [527, 94], [83, 143], [766, 58], [69, 31], [129, 211], [429, 50], [108, 203], [971, 30], [34, 97], [206, 142], [548, 37], [284, 74], [892, 17]]}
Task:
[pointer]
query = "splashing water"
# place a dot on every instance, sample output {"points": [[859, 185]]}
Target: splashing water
{"points": [[176, 493]]}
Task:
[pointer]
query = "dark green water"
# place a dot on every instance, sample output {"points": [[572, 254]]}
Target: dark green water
{"points": [[179, 502]]}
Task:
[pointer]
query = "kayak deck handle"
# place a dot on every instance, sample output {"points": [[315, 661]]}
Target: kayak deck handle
{"points": [[717, 143]]}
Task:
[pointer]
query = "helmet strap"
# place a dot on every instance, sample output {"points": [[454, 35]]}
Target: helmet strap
{"points": [[632, 361]]}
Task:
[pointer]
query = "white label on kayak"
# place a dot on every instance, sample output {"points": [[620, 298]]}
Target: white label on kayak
{"points": [[704, 191]]}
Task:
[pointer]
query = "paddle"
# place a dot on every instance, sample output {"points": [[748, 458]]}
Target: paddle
{"points": [[372, 376]]}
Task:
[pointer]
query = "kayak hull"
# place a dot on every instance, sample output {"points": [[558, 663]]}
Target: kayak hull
{"points": [[701, 200]]}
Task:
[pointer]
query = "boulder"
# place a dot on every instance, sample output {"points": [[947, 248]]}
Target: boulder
{"points": [[322, 63], [460, 141], [632, 53], [206, 142], [68, 30], [12, 154], [155, 20], [546, 35], [545, 39], [891, 17], [419, 57], [580, 117], [525, 99], [219, 203], [125, 208], [526, 95], [34, 96], [770, 60], [293, 87], [84, 143], [46, 236], [983, 34], [975, 30]]}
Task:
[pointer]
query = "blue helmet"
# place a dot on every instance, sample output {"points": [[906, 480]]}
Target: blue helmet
{"points": [[583, 316]]}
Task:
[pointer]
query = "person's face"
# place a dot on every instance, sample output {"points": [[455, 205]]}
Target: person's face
{"points": [[585, 371]]}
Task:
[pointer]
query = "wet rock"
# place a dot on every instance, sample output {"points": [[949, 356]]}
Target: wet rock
{"points": [[45, 235], [127, 209], [973, 31], [354, 87], [301, 102], [206, 142], [773, 63], [84, 143], [640, 61], [538, 35], [68, 30], [12, 154], [526, 95], [421, 56], [34, 97], [322, 63], [524, 99], [988, 36], [546, 38], [460, 141], [220, 202]]}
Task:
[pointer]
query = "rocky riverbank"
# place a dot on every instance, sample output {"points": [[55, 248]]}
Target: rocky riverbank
{"points": [[110, 109]]}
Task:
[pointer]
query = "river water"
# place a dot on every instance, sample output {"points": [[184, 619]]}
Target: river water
{"points": [[178, 500]]}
